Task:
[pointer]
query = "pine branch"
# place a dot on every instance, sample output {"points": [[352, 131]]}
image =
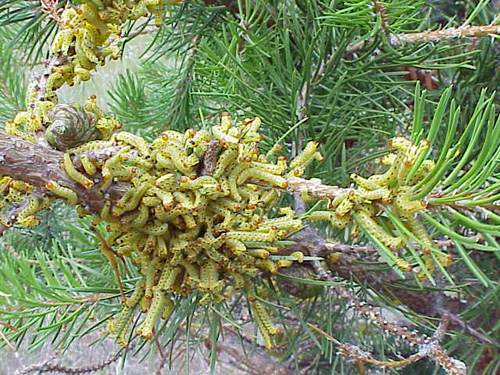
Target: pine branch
{"points": [[49, 366], [444, 35]]}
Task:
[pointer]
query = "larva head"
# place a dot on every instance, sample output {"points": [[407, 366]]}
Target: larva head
{"points": [[50, 185]]}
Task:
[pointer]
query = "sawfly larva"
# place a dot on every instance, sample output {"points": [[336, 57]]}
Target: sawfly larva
{"points": [[261, 175], [63, 192], [376, 230], [154, 313], [227, 157], [134, 140], [89, 167]]}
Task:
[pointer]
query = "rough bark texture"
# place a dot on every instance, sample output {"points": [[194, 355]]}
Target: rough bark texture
{"points": [[36, 165]]}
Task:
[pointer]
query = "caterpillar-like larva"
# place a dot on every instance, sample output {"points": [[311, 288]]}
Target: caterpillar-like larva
{"points": [[376, 230], [405, 207], [168, 278], [74, 174], [62, 191], [154, 313], [261, 175], [227, 157], [31, 208], [136, 296], [391, 174], [253, 236], [137, 142]]}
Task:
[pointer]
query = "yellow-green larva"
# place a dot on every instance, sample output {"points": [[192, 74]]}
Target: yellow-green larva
{"points": [[377, 231], [141, 219], [405, 206], [93, 145], [264, 318], [225, 159], [136, 296], [156, 229], [89, 167], [261, 175], [137, 142], [232, 181], [391, 174], [28, 221], [304, 155], [62, 191], [168, 277], [154, 313], [134, 200], [31, 208]]}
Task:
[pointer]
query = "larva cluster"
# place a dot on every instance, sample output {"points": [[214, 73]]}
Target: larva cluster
{"points": [[88, 35], [195, 217], [394, 189], [188, 231], [20, 203]]}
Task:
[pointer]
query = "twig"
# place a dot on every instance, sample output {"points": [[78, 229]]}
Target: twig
{"points": [[430, 36], [49, 366], [315, 188], [428, 347]]}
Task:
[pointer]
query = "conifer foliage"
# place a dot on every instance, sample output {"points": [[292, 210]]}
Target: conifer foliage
{"points": [[324, 172]]}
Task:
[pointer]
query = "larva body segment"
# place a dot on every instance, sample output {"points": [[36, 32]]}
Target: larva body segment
{"points": [[258, 253], [377, 231], [268, 198], [151, 201], [345, 206], [157, 229], [189, 221], [63, 192], [31, 208], [264, 318], [305, 157], [380, 193], [405, 206], [267, 265], [275, 169], [320, 215], [154, 313], [232, 181], [391, 174], [205, 182], [227, 157], [166, 197], [136, 296], [28, 221], [141, 219], [178, 158], [124, 320], [184, 200], [168, 277], [92, 145], [83, 45], [112, 162], [237, 247], [169, 307], [399, 143], [252, 236], [261, 175], [133, 201], [89, 167], [137, 142], [192, 270], [151, 276], [422, 172]]}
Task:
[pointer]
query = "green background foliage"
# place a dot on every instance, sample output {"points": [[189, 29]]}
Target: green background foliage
{"points": [[288, 63]]}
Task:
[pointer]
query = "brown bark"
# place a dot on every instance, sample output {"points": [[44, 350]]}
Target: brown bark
{"points": [[36, 165]]}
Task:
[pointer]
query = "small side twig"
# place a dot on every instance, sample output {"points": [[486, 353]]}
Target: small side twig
{"points": [[48, 366]]}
